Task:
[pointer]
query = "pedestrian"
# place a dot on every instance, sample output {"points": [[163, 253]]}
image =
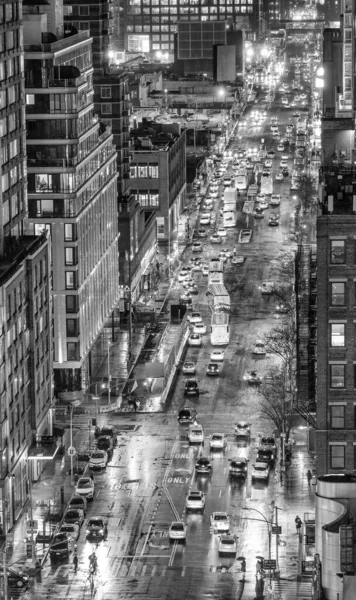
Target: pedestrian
{"points": [[75, 562], [298, 524], [235, 251], [309, 477], [135, 404]]}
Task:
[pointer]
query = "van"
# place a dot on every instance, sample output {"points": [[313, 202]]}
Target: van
{"points": [[195, 434]]}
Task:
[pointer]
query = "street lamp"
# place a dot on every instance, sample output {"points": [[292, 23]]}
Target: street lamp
{"points": [[268, 523]]}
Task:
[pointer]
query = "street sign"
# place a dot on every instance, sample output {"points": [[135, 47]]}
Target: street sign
{"points": [[71, 451], [269, 563], [32, 524], [276, 529]]}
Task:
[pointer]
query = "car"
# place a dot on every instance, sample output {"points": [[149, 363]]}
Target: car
{"points": [[197, 247], [273, 221], [222, 232], [258, 213], [218, 441], [285, 172], [280, 147], [259, 348], [237, 260], [195, 433], [227, 544], [191, 387], [217, 355], [195, 340], [263, 204], [243, 429], [192, 288], [252, 378], [187, 415], [214, 193], [268, 443], [261, 197], [275, 200], [185, 299], [238, 467], [206, 207], [60, 545], [260, 471], [106, 443], [219, 522], [294, 186], [285, 156], [195, 501], [265, 456], [199, 328], [225, 252], [184, 274], [188, 368], [98, 459], [215, 238], [213, 369], [245, 236], [203, 466], [271, 154], [71, 530], [283, 163], [109, 430], [97, 526], [74, 515], [77, 501], [204, 221], [205, 270], [268, 163], [195, 317], [202, 233], [177, 531], [279, 176]]}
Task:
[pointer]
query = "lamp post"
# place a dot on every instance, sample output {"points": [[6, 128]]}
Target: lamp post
{"points": [[268, 523], [33, 547], [109, 374]]}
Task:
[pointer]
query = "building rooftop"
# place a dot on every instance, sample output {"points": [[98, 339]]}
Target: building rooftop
{"points": [[16, 252], [154, 136]]}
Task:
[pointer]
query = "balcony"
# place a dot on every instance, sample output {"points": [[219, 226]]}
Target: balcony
{"points": [[52, 162]]}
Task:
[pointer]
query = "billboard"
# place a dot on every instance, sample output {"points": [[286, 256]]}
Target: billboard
{"points": [[225, 63]]}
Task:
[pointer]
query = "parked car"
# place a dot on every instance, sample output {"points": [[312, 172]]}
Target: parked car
{"points": [[199, 328], [71, 530], [60, 546], [106, 443], [98, 459], [215, 239], [259, 349], [245, 236], [97, 527], [268, 443], [107, 430], [266, 456], [77, 501], [260, 471], [74, 515], [15, 577], [85, 485], [177, 531]]}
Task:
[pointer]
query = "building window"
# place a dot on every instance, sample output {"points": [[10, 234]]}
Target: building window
{"points": [[72, 353], [143, 198], [142, 171], [105, 91], [43, 183], [337, 417], [106, 109], [84, 11], [153, 171], [69, 232], [154, 198], [337, 333], [337, 456], [71, 327], [69, 256], [133, 171], [71, 304], [337, 252], [337, 294], [337, 376], [70, 280]]}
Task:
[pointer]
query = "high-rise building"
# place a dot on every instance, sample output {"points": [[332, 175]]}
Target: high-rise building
{"points": [[25, 306], [71, 187]]}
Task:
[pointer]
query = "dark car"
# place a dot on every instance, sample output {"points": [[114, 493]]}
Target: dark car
{"points": [[97, 527], [60, 546], [285, 172], [273, 221], [203, 466], [107, 431], [191, 388], [74, 515], [15, 578], [105, 442], [238, 467], [213, 369], [265, 456], [185, 299], [187, 415], [77, 501]]}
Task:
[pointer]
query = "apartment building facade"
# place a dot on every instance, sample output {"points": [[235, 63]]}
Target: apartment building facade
{"points": [[72, 183]]}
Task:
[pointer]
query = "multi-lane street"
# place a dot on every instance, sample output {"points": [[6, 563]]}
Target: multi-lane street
{"points": [[144, 487]]}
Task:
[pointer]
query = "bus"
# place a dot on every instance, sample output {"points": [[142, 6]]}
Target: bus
{"points": [[229, 215], [218, 298], [220, 333], [216, 271], [241, 182]]}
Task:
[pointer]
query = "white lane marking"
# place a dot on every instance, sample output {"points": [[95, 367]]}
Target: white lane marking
{"points": [[220, 493]]}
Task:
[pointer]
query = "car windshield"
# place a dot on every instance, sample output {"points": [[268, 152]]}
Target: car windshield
{"points": [[260, 467], [217, 436], [68, 528], [220, 517], [184, 413], [194, 497], [72, 514], [227, 541], [267, 440], [188, 365], [237, 464], [196, 432], [242, 425], [85, 483], [76, 501], [108, 432], [177, 527], [203, 461], [97, 455], [96, 523]]}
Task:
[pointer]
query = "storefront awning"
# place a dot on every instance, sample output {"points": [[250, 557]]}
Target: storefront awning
{"points": [[43, 451]]}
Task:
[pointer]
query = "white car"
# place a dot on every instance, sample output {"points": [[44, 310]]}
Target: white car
{"points": [[271, 154], [195, 501], [261, 197], [195, 340], [214, 193], [98, 459], [195, 317], [85, 487], [280, 147], [237, 260], [215, 239], [245, 236], [225, 253], [218, 441], [294, 186], [184, 274], [263, 204], [283, 164], [275, 200], [227, 544], [196, 434], [260, 471], [219, 522], [205, 219], [279, 177], [205, 270], [217, 355], [199, 328], [285, 156], [188, 368], [177, 531], [268, 163], [243, 429], [197, 247], [222, 232], [259, 349]]}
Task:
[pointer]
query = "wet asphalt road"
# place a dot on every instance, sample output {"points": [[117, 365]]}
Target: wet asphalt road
{"points": [[145, 486]]}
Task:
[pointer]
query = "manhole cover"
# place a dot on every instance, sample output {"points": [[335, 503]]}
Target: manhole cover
{"points": [[128, 427]]}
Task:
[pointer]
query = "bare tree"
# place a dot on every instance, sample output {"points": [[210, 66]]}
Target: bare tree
{"points": [[275, 401], [281, 341]]}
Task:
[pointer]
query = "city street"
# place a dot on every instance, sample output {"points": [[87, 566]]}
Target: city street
{"points": [[144, 487]]}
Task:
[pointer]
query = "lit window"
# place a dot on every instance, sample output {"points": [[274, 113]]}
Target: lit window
{"points": [[337, 333], [142, 171], [337, 376], [69, 256], [69, 232], [153, 171], [337, 254], [70, 280], [337, 293], [30, 99]]}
